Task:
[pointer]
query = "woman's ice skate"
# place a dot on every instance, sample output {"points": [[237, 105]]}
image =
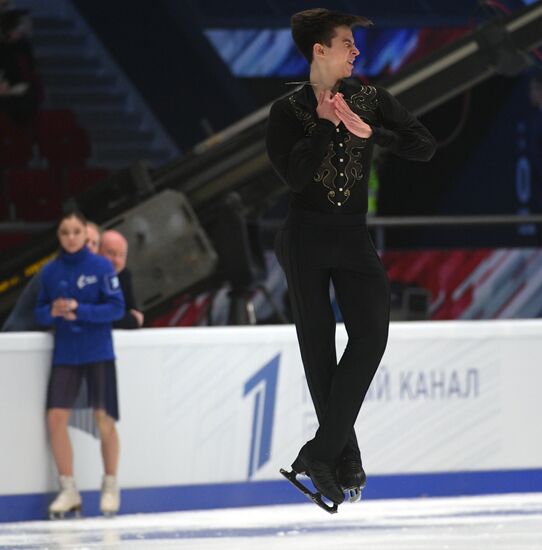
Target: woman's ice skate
{"points": [[67, 501], [110, 497]]}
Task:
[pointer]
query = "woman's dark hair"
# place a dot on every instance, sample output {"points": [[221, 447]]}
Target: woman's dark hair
{"points": [[73, 214], [317, 26]]}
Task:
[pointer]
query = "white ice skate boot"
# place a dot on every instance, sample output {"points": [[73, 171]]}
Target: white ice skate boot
{"points": [[68, 500], [110, 499]]}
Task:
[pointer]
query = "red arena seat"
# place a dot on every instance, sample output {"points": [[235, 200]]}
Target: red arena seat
{"points": [[51, 122], [60, 140], [13, 240], [15, 144], [34, 194], [78, 180]]}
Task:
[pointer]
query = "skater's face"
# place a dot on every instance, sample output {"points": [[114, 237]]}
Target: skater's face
{"points": [[72, 234], [339, 57]]}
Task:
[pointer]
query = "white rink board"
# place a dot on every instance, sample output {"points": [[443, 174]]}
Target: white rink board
{"points": [[221, 405]]}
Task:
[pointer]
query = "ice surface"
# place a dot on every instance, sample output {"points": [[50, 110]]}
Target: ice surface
{"points": [[504, 522]]}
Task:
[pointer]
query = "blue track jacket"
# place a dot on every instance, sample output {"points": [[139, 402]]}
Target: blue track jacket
{"points": [[91, 280]]}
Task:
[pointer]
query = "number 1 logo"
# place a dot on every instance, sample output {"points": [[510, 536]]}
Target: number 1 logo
{"points": [[264, 385]]}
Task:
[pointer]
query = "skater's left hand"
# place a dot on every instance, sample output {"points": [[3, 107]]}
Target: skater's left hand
{"points": [[71, 307], [351, 120]]}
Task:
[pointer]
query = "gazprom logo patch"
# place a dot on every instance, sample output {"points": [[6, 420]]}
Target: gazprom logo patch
{"points": [[85, 280]]}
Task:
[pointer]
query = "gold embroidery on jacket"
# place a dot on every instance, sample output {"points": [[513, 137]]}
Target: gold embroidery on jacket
{"points": [[306, 118], [327, 173], [364, 100], [354, 169]]}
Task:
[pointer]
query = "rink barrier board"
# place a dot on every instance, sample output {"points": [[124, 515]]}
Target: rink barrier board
{"points": [[230, 495], [209, 415]]}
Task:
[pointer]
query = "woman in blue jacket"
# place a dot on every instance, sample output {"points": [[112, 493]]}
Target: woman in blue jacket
{"points": [[80, 298]]}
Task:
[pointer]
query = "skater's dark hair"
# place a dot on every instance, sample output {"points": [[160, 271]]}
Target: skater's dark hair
{"points": [[73, 214], [318, 26]]}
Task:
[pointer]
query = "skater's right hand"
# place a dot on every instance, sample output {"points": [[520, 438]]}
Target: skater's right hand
{"points": [[64, 307], [326, 107], [351, 120], [60, 307]]}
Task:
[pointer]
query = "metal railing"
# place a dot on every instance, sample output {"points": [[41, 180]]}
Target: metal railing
{"points": [[382, 223]]}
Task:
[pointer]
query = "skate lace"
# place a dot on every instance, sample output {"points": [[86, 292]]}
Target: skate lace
{"points": [[350, 472], [351, 463], [325, 481], [324, 474]]}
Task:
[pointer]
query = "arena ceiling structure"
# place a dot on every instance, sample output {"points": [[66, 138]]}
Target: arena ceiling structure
{"points": [[269, 13]]}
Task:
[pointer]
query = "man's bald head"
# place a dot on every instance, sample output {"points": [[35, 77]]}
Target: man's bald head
{"points": [[114, 246]]}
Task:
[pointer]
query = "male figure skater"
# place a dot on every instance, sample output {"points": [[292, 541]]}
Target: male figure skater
{"points": [[320, 140]]}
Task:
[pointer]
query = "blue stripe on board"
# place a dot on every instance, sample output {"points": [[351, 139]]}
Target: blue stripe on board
{"points": [[227, 495]]}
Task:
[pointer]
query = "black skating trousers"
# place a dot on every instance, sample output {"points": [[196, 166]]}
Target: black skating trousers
{"points": [[314, 249]]}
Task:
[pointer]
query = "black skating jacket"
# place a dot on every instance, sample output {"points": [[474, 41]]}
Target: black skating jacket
{"points": [[327, 167]]}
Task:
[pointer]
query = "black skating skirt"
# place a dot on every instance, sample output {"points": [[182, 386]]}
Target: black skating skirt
{"points": [[84, 389]]}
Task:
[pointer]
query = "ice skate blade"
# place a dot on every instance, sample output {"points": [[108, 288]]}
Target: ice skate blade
{"points": [[314, 497], [353, 494], [109, 515], [74, 513]]}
